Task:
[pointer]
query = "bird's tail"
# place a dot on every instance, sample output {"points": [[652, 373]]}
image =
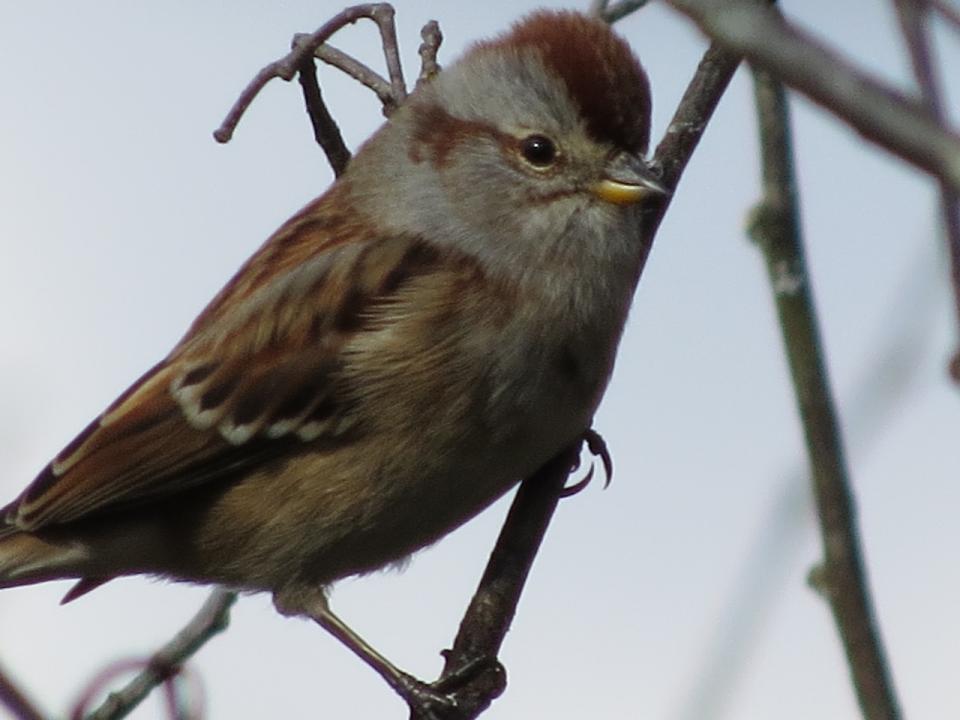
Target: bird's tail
{"points": [[26, 558]]}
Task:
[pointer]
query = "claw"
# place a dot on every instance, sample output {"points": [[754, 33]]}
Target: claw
{"points": [[424, 699], [577, 486], [471, 670], [598, 447]]}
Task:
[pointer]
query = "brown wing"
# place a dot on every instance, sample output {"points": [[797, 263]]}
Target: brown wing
{"points": [[257, 376]]}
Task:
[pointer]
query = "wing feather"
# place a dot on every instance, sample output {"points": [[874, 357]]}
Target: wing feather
{"points": [[259, 374]]}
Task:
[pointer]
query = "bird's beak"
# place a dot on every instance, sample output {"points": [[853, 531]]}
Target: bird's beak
{"points": [[627, 179]]}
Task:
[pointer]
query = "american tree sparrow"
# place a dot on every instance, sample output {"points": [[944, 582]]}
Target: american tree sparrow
{"points": [[402, 351]]}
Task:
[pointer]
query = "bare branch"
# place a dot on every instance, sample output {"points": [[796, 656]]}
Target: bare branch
{"points": [[776, 228], [914, 19], [15, 700], [287, 67], [879, 113], [325, 130], [212, 618], [360, 72], [383, 16], [696, 107], [494, 604]]}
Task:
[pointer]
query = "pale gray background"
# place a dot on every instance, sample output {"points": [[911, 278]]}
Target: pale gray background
{"points": [[120, 217]]}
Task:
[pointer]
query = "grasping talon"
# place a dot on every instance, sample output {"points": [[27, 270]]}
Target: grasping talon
{"points": [[597, 447]]}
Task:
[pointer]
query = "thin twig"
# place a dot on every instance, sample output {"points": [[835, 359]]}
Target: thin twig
{"points": [[212, 618], [16, 701], [362, 73], [383, 15], [429, 47], [776, 228], [286, 67], [325, 130], [914, 26], [878, 112]]}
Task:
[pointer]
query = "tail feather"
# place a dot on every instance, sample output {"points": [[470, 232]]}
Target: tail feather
{"points": [[26, 558], [82, 587]]}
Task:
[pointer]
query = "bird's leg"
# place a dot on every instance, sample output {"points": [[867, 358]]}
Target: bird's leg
{"points": [[428, 701]]}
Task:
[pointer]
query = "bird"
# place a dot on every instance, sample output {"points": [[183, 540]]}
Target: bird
{"points": [[401, 352]]}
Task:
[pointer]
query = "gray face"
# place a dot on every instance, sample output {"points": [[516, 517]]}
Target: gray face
{"points": [[468, 179]]}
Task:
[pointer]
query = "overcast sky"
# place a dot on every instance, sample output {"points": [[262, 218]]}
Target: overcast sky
{"points": [[120, 217]]}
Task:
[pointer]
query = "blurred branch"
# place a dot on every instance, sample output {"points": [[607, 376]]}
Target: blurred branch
{"points": [[212, 619], [947, 10], [878, 112], [775, 226], [891, 366], [914, 24], [15, 700], [611, 13]]}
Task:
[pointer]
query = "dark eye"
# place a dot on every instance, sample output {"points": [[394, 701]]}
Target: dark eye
{"points": [[538, 150]]}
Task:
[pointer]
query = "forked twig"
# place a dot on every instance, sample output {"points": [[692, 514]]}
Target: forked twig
{"points": [[286, 67], [362, 73]]}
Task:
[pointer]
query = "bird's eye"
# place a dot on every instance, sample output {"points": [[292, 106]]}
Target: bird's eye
{"points": [[538, 150]]}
